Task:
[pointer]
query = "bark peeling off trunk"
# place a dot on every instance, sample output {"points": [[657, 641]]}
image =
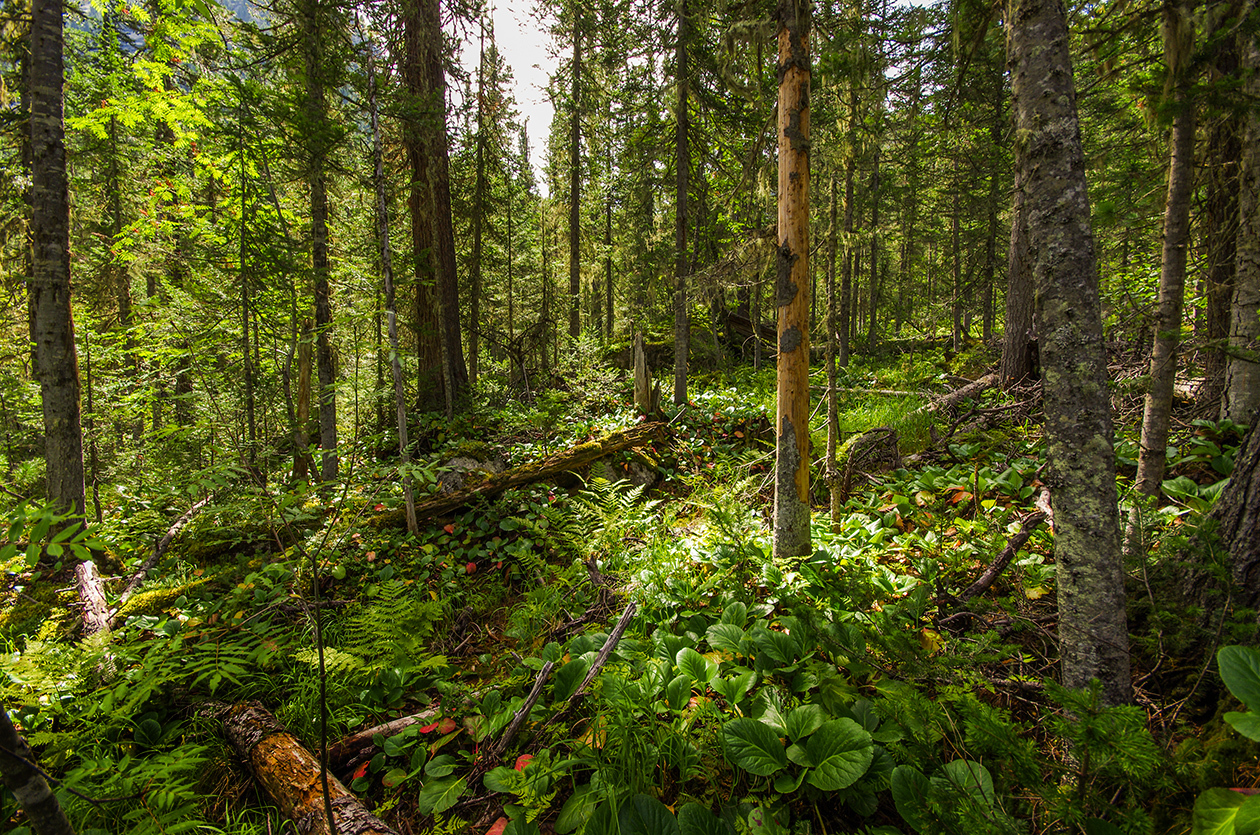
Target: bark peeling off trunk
{"points": [[291, 775]]}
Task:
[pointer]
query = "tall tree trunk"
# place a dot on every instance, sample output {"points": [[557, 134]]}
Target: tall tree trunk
{"points": [[575, 184], [247, 366], [1220, 232], [873, 286], [20, 775], [479, 211], [391, 303], [682, 161], [791, 494], [1018, 340], [846, 280], [1242, 376], [317, 119], [955, 238], [1179, 41], [430, 383], [833, 402], [608, 269], [53, 328], [1093, 637]]}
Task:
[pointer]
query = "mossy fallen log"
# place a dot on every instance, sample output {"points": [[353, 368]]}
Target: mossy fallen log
{"points": [[291, 775], [565, 461]]}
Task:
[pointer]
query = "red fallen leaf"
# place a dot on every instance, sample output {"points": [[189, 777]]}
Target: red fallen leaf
{"points": [[449, 528], [522, 761], [499, 564], [497, 827], [445, 726], [471, 568], [379, 507], [361, 771], [430, 728]]}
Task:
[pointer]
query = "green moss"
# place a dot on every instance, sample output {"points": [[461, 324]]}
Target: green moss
{"points": [[151, 601]]}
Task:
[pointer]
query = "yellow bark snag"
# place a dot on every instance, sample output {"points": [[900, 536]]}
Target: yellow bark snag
{"points": [[791, 493], [290, 775]]}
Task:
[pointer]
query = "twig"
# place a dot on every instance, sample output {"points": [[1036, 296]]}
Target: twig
{"points": [[990, 575], [522, 713], [600, 660], [133, 585]]}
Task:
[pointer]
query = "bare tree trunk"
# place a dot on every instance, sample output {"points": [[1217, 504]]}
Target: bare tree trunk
{"points": [[1018, 340], [791, 495], [479, 211], [682, 161], [846, 281], [20, 776], [1242, 376], [1093, 637], [575, 186], [1179, 37], [53, 329], [833, 403]]}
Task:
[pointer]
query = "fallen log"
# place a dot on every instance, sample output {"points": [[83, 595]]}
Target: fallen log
{"points": [[159, 548], [949, 402], [351, 750], [565, 461], [989, 576], [291, 776], [91, 590]]}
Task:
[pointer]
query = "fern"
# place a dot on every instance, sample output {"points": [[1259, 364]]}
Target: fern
{"points": [[601, 518], [335, 660], [393, 628]]}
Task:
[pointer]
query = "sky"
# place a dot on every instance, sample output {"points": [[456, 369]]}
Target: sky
{"points": [[524, 46]]}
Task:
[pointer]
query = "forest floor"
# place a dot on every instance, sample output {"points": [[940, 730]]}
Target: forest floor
{"points": [[874, 686]]}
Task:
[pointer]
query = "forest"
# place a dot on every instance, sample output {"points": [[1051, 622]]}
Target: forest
{"points": [[844, 428]]}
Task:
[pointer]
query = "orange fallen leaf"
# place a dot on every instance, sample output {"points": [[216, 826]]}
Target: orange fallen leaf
{"points": [[497, 827]]}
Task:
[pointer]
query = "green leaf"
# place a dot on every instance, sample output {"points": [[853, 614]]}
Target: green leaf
{"points": [[569, 677], [754, 747], [970, 777], [725, 637], [735, 613], [577, 810], [678, 692], [1215, 811], [645, 815], [1248, 820], [694, 819], [1098, 826], [504, 779], [1240, 669], [440, 766], [910, 790], [439, 795], [393, 777], [804, 720], [798, 754], [695, 665], [842, 750], [779, 646], [1247, 724], [788, 782]]}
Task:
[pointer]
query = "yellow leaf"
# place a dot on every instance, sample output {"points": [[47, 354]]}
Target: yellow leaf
{"points": [[1035, 592], [931, 641]]}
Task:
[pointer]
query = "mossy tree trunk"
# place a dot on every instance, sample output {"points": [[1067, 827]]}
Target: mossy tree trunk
{"points": [[1093, 636]]}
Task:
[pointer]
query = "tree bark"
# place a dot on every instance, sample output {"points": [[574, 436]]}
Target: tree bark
{"points": [[53, 323], [1237, 513], [682, 162], [833, 399], [20, 776], [791, 494], [478, 212], [575, 184], [291, 776], [1018, 340], [1093, 636], [1157, 411], [1242, 375]]}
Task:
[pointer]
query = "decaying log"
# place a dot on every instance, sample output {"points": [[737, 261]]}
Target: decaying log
{"points": [[565, 461], [351, 750], [92, 595], [949, 402], [291, 775], [159, 548]]}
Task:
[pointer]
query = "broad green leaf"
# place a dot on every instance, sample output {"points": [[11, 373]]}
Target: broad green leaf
{"points": [[678, 692], [393, 777], [804, 720], [577, 810], [735, 613], [771, 716], [970, 777], [504, 779], [694, 819], [778, 646], [1240, 669], [603, 821], [569, 677], [645, 815], [439, 795], [725, 637], [1248, 820], [1247, 724], [695, 665], [910, 790], [787, 783], [763, 821], [754, 747], [842, 751], [798, 754], [440, 766], [1215, 811]]}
